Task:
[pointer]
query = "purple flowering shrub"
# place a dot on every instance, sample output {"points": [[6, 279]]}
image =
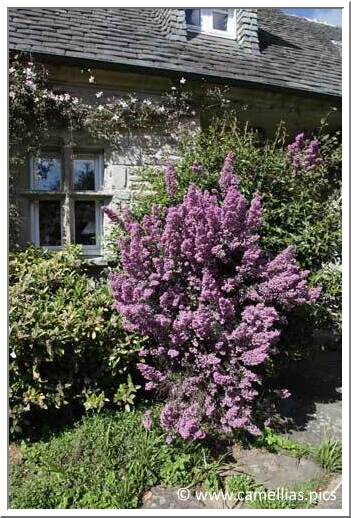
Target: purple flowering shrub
{"points": [[196, 282], [298, 177], [304, 155]]}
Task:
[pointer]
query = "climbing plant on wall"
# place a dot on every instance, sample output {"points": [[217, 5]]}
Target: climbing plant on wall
{"points": [[35, 109]]}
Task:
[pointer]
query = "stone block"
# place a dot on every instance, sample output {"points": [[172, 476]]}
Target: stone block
{"points": [[169, 498], [121, 195], [118, 176], [275, 471]]}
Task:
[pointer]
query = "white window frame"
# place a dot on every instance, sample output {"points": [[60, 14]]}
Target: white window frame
{"points": [[67, 196], [99, 168], [206, 23], [35, 227], [90, 249], [32, 179]]}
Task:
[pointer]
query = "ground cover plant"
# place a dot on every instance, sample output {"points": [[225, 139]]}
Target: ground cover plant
{"points": [[197, 283], [329, 455], [275, 442], [126, 458], [130, 454]]}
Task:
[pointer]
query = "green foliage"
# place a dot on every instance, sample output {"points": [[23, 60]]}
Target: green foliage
{"points": [[274, 442], [239, 485], [327, 310], [111, 248], [126, 461], [176, 470], [126, 394], [188, 464], [302, 210], [304, 496], [94, 401], [212, 483], [67, 346], [329, 455]]}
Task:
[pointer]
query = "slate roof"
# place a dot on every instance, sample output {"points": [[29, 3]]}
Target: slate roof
{"points": [[295, 53]]}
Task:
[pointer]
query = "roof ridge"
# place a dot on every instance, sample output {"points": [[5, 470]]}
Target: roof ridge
{"points": [[311, 20]]}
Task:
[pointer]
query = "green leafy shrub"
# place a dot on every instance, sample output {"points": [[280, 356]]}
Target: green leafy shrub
{"points": [[126, 461], [327, 310], [67, 347], [296, 206], [301, 208]]}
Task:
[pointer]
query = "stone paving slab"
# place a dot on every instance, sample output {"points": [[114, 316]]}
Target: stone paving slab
{"points": [[274, 470], [168, 498], [314, 410], [335, 488], [324, 422]]}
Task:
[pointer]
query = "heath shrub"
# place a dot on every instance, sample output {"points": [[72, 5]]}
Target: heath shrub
{"points": [[299, 179], [195, 280]]}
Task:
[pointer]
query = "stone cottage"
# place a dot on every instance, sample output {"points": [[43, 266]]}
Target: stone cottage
{"points": [[279, 66]]}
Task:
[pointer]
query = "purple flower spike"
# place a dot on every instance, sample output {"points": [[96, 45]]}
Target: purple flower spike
{"points": [[147, 421], [170, 180], [227, 178], [303, 155], [196, 168]]}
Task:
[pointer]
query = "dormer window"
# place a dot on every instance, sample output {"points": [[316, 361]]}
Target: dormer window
{"points": [[218, 22], [193, 17]]}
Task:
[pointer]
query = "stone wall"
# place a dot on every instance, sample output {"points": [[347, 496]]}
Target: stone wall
{"points": [[259, 107], [247, 30]]}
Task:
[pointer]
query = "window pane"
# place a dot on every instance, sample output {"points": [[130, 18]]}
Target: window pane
{"points": [[84, 174], [47, 174], [50, 223], [220, 20], [84, 216], [192, 17]]}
